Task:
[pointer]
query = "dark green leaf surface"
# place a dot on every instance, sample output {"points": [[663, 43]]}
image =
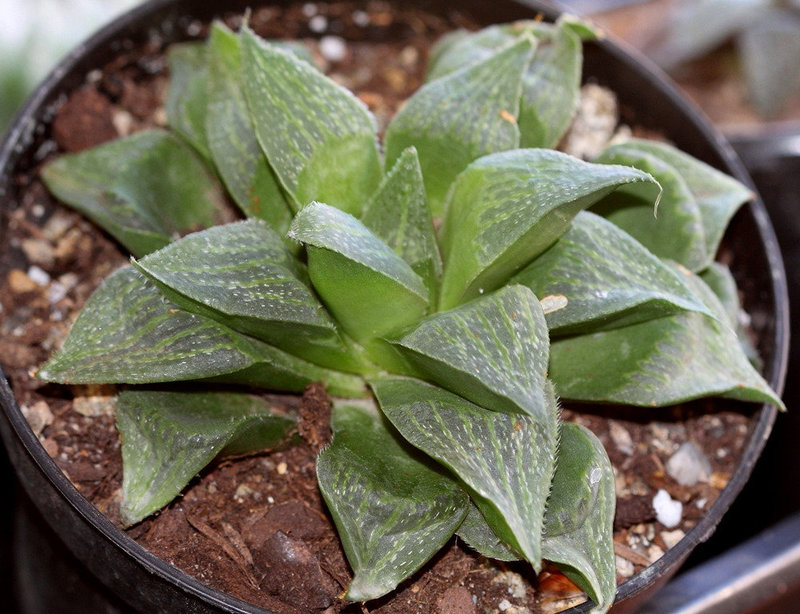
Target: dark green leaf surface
{"points": [[232, 140], [718, 196], [578, 533], [480, 537], [187, 94], [551, 87], [659, 362], [493, 351], [598, 277], [242, 275], [123, 187], [399, 215], [168, 437], [318, 137], [368, 288], [461, 117], [393, 509], [507, 208], [505, 460], [129, 333]]}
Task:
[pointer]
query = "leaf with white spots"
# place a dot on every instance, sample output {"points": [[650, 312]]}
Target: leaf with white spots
{"points": [[186, 105], [506, 461], [231, 137], [461, 117], [122, 186], [607, 279], [393, 508], [578, 524], [507, 208], [128, 333], [492, 351], [243, 275], [319, 138], [398, 213], [660, 362], [169, 437], [370, 290], [480, 537]]}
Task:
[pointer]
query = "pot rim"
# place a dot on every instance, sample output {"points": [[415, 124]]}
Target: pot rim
{"points": [[40, 107]]}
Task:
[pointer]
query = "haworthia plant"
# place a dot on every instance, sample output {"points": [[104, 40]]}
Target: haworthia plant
{"points": [[449, 297]]}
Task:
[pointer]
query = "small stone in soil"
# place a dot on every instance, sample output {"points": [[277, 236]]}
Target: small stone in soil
{"points": [[668, 511], [688, 465]]}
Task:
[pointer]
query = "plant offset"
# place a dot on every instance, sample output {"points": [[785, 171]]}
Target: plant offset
{"points": [[447, 287]]}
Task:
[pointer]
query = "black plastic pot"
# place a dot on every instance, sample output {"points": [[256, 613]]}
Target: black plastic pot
{"points": [[135, 580]]}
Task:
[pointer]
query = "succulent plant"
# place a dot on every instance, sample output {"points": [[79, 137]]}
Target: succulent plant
{"points": [[446, 303]]}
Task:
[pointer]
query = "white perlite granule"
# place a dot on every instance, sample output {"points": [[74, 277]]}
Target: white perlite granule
{"points": [[668, 511]]}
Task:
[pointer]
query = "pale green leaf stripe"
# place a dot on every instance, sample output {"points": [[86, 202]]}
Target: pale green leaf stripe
{"points": [[493, 351], [505, 460], [369, 288], [551, 86], [578, 534], [718, 195], [461, 117], [598, 277], [187, 94], [660, 362], [676, 232], [398, 214], [168, 437], [392, 507], [129, 333], [121, 185], [319, 138], [231, 137], [507, 208], [242, 275]]}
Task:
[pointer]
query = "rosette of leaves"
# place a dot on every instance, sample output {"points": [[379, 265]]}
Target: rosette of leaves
{"points": [[447, 293]]}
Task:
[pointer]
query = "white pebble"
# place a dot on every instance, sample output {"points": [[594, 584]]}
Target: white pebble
{"points": [[39, 276], [318, 23], [504, 605], [668, 511], [333, 48], [688, 465], [361, 18]]}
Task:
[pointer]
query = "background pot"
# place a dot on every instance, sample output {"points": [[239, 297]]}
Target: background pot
{"points": [[136, 579]]}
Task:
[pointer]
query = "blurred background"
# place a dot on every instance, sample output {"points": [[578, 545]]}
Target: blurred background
{"points": [[739, 60]]}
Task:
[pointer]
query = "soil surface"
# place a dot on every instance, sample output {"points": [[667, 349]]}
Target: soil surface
{"points": [[256, 527]]}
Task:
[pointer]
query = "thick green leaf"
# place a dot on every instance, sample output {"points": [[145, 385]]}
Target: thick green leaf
{"points": [[187, 95], [231, 137], [505, 460], [129, 333], [242, 275], [461, 48], [480, 537], [659, 362], [598, 276], [492, 351], [551, 86], [369, 288], [551, 83], [398, 214], [123, 187], [461, 117], [718, 196], [720, 280], [507, 208], [393, 509], [578, 534], [168, 437], [319, 138]]}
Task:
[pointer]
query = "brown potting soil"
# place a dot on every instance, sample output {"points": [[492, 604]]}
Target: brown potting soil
{"points": [[256, 527]]}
